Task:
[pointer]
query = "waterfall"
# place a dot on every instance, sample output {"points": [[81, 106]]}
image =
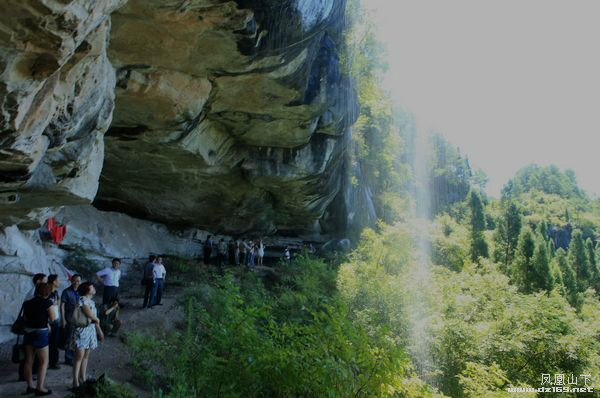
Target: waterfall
{"points": [[419, 278]]}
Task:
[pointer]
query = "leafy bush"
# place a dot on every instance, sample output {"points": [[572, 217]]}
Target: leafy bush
{"points": [[295, 340]]}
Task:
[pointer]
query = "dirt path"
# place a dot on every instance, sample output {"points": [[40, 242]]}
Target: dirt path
{"points": [[112, 356]]}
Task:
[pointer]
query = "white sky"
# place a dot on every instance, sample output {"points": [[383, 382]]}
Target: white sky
{"points": [[511, 82]]}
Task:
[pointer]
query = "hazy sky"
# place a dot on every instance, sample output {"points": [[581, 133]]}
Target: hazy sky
{"points": [[511, 82]]}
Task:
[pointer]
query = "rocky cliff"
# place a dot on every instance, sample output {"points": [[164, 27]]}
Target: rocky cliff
{"points": [[56, 102], [230, 116]]}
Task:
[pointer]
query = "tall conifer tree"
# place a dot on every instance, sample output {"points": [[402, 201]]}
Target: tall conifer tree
{"points": [[579, 261], [479, 247], [542, 273], [523, 270], [506, 236], [568, 276]]}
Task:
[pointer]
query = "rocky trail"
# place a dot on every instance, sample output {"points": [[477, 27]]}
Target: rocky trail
{"points": [[111, 357]]}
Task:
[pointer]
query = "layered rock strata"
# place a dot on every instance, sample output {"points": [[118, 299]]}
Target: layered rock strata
{"points": [[229, 116], [56, 102]]}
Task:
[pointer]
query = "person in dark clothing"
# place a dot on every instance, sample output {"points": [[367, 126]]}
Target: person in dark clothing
{"points": [[55, 329], [237, 248], [231, 252], [37, 279], [243, 252], [222, 252], [109, 318], [148, 282], [38, 313], [68, 300], [207, 249]]}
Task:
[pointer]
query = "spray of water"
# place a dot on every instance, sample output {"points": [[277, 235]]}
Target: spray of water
{"points": [[419, 275]]}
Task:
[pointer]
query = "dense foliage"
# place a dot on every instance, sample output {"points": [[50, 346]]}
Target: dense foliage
{"points": [[549, 180], [296, 338]]}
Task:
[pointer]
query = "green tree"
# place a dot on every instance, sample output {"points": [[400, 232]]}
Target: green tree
{"points": [[479, 247], [506, 235], [523, 270], [594, 267], [549, 180], [578, 259], [542, 229], [568, 276], [542, 273], [551, 248], [591, 255]]}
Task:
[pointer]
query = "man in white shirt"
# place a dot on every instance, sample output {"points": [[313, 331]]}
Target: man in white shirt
{"points": [[109, 277], [159, 272]]}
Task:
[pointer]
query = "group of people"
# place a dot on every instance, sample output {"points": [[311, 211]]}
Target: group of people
{"points": [[71, 321], [50, 324], [244, 252]]}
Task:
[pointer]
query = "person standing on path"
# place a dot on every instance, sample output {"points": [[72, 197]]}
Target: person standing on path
{"points": [[110, 277], [148, 282], [207, 249], [261, 252], [37, 279], [159, 272], [236, 255], [231, 252], [85, 338], [68, 300], [55, 328], [243, 252], [252, 251], [38, 313], [222, 252], [287, 255]]}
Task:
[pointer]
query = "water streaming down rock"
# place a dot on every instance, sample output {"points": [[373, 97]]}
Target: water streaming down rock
{"points": [[420, 278]]}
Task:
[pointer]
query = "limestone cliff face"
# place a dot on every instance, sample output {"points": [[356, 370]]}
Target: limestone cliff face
{"points": [[229, 116], [56, 102]]}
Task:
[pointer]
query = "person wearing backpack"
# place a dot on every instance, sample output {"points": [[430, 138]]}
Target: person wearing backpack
{"points": [[148, 282]]}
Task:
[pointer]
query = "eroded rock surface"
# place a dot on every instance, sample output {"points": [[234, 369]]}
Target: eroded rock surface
{"points": [[229, 116], [56, 102]]}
